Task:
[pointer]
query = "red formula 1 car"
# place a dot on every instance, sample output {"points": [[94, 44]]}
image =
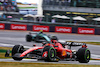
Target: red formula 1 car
{"points": [[53, 51]]}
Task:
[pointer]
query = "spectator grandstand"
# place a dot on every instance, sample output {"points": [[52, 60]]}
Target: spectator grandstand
{"points": [[8, 8], [87, 9], [8, 5]]}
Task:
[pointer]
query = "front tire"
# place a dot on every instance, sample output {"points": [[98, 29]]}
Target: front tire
{"points": [[83, 55], [28, 38], [51, 53], [17, 49]]}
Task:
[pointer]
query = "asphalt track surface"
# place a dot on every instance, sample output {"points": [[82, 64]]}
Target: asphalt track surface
{"points": [[18, 37], [92, 62]]}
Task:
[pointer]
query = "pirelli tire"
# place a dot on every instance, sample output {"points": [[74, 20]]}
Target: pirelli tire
{"points": [[51, 56], [28, 38], [17, 49], [83, 55]]}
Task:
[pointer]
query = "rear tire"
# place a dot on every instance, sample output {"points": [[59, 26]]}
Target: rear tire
{"points": [[28, 38], [51, 53], [83, 55], [17, 49]]}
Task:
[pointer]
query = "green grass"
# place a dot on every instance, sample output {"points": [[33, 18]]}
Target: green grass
{"points": [[18, 64], [94, 43], [26, 7], [2, 55], [3, 51], [5, 48]]}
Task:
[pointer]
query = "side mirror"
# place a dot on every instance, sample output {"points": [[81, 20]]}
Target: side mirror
{"points": [[34, 45]]}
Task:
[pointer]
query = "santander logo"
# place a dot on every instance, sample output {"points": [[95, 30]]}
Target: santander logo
{"points": [[38, 28], [18, 27], [63, 29], [86, 30]]}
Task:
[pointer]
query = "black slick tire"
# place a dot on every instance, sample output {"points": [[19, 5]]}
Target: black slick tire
{"points": [[51, 53], [17, 49], [28, 38], [83, 55]]}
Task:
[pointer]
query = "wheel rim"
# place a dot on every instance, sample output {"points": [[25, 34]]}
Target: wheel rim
{"points": [[87, 55], [52, 53], [21, 50]]}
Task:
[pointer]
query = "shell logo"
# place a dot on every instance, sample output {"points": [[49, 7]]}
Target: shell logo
{"points": [[64, 53]]}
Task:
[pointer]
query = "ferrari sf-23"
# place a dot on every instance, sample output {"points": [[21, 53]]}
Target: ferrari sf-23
{"points": [[52, 51]]}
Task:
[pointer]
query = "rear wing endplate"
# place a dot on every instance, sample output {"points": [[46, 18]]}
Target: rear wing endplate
{"points": [[33, 32]]}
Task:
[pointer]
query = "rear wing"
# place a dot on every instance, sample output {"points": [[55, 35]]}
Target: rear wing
{"points": [[74, 44], [70, 44], [33, 32]]}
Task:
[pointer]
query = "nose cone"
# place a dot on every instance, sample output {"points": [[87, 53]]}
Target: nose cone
{"points": [[22, 55]]}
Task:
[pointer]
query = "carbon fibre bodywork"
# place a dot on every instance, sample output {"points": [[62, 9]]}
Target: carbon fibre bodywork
{"points": [[53, 51]]}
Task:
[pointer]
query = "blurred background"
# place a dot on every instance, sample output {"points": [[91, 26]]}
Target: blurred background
{"points": [[77, 13]]}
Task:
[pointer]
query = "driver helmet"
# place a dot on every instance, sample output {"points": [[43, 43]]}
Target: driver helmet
{"points": [[41, 31]]}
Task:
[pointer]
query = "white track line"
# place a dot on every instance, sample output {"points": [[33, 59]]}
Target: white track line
{"points": [[24, 60]]}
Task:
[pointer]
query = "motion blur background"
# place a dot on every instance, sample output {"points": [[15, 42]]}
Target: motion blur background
{"points": [[77, 13]]}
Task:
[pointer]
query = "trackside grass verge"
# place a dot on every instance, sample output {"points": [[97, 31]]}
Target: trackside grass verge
{"points": [[94, 43], [5, 48], [26, 7], [18, 64], [3, 51]]}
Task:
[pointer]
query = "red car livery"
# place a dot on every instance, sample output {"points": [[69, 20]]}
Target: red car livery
{"points": [[52, 51]]}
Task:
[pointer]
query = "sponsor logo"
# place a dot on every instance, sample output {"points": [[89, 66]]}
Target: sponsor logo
{"points": [[18, 27], [38, 28], [86, 30], [63, 29], [74, 43], [45, 54], [2, 26]]}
